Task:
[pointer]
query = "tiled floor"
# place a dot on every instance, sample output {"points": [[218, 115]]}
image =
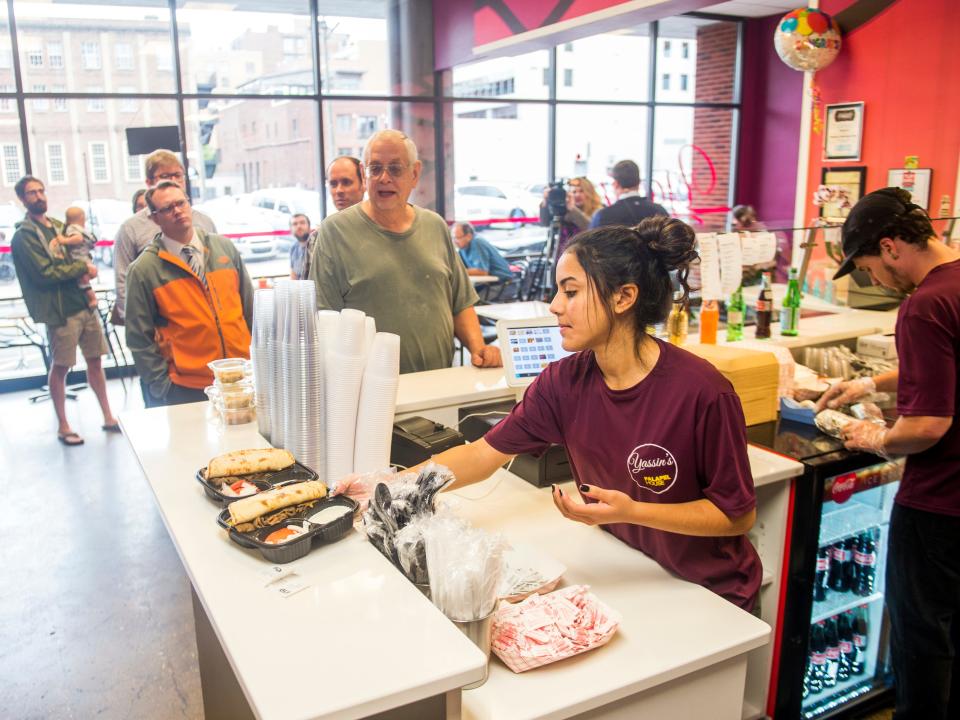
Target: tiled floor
{"points": [[95, 613]]}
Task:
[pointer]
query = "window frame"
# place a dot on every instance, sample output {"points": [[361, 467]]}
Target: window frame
{"points": [[106, 162], [63, 162]]}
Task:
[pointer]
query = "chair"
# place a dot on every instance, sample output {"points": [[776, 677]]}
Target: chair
{"points": [[534, 278], [104, 310]]}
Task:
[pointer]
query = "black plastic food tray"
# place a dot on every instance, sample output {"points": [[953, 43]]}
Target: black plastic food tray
{"points": [[264, 481], [295, 549]]}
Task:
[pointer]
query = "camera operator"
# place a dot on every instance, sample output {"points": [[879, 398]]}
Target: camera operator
{"points": [[578, 207]]}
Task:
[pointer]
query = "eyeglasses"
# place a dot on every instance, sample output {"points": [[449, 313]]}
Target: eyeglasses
{"points": [[375, 170], [170, 176], [169, 209]]}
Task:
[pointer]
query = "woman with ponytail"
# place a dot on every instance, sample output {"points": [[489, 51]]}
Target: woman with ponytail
{"points": [[655, 435]]}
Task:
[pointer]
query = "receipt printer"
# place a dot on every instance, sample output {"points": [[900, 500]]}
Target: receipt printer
{"points": [[416, 439], [553, 466]]}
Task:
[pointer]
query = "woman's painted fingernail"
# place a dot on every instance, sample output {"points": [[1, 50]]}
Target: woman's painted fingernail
{"points": [[584, 488]]}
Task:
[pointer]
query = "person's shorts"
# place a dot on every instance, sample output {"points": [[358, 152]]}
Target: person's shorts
{"points": [[81, 330]]}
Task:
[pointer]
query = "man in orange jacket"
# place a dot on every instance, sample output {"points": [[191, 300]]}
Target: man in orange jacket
{"points": [[189, 301]]}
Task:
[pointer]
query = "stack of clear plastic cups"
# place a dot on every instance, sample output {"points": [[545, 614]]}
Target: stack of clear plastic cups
{"points": [[261, 333], [301, 373], [378, 399], [281, 301], [342, 379]]}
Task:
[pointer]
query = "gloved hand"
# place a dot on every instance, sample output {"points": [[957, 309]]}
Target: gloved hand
{"points": [[844, 393], [866, 435]]}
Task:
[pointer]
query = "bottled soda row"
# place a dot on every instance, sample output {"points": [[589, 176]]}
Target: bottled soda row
{"points": [[847, 566], [838, 648]]}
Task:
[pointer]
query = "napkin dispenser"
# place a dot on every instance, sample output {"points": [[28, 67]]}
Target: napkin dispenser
{"points": [[416, 439]]}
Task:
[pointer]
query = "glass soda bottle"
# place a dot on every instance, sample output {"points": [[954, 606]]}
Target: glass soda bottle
{"points": [[736, 309], [765, 306], [709, 319], [865, 558], [859, 663], [790, 312], [832, 641], [845, 634], [818, 660], [677, 325]]}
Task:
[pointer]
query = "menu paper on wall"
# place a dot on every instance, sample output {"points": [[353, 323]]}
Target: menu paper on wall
{"points": [[731, 262], [758, 248], [710, 285]]}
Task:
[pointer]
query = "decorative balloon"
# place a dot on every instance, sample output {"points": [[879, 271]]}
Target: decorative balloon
{"points": [[807, 39]]}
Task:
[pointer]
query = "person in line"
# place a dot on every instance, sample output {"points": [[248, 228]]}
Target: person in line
{"points": [[345, 180], [139, 201], [78, 244], [300, 229], [478, 255], [893, 241], [745, 219], [583, 201], [655, 435], [395, 262], [48, 281], [189, 301], [139, 231], [631, 207]]}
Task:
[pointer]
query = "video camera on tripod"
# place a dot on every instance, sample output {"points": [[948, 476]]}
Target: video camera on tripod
{"points": [[557, 198]]}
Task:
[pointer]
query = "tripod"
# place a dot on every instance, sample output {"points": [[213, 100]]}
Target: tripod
{"points": [[542, 282]]}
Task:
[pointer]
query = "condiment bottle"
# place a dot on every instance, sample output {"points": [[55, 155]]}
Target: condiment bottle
{"points": [[709, 319], [677, 324]]}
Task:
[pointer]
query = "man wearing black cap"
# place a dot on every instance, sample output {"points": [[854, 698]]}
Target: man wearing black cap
{"points": [[892, 240]]}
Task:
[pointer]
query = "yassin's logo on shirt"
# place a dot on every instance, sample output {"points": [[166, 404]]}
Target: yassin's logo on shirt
{"points": [[652, 468]]}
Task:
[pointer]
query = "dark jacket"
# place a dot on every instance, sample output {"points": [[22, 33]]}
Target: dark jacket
{"points": [[48, 283], [627, 211]]}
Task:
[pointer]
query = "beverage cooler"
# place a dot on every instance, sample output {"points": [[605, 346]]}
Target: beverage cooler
{"points": [[830, 653]]}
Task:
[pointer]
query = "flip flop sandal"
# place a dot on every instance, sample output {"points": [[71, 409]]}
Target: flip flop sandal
{"points": [[70, 439], [113, 428]]}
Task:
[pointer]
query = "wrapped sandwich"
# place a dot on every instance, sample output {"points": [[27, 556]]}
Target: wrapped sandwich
{"points": [[248, 510], [246, 462]]}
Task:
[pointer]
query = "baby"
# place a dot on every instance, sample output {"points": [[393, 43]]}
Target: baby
{"points": [[78, 244]]}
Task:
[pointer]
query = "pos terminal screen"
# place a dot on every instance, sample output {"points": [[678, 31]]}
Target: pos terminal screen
{"points": [[533, 348]]}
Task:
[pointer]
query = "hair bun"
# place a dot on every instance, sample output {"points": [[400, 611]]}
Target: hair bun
{"points": [[669, 240]]}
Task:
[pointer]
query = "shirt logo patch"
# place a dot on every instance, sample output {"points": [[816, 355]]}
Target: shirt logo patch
{"points": [[223, 260], [652, 468]]}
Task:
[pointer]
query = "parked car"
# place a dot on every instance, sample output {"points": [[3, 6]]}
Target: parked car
{"points": [[258, 233], [10, 215], [485, 201]]}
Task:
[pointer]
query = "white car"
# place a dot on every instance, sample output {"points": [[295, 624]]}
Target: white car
{"points": [[486, 201], [10, 215], [258, 233]]}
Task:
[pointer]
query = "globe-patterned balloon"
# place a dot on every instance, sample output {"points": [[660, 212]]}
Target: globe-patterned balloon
{"points": [[807, 39]]}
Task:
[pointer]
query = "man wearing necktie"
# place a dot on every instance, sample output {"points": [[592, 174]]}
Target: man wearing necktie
{"points": [[189, 301]]}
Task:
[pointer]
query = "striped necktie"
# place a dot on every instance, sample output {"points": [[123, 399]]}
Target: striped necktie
{"points": [[193, 258]]}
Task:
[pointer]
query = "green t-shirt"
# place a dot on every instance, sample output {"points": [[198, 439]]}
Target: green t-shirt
{"points": [[412, 283]]}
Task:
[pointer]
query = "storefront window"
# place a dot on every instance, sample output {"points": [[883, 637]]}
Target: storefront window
{"points": [[521, 76], [74, 45], [250, 48], [609, 66], [705, 68]]}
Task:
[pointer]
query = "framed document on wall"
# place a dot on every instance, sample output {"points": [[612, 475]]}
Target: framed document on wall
{"points": [[851, 181], [843, 131], [916, 182]]}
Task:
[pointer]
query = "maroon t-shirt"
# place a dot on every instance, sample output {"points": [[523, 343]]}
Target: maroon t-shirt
{"points": [[928, 343], [676, 436]]}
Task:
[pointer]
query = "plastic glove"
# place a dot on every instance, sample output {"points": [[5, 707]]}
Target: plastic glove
{"points": [[866, 435], [844, 393]]}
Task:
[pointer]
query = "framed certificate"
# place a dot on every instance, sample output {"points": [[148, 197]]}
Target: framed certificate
{"points": [[851, 181], [843, 131], [916, 182]]}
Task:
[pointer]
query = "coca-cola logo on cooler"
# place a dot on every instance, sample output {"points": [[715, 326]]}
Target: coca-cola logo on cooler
{"points": [[652, 468], [843, 487]]}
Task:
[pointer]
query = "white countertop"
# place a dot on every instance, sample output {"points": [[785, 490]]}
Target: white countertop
{"points": [[451, 386], [670, 627], [347, 641], [769, 467]]}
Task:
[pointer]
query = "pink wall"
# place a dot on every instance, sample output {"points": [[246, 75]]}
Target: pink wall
{"points": [[769, 127]]}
